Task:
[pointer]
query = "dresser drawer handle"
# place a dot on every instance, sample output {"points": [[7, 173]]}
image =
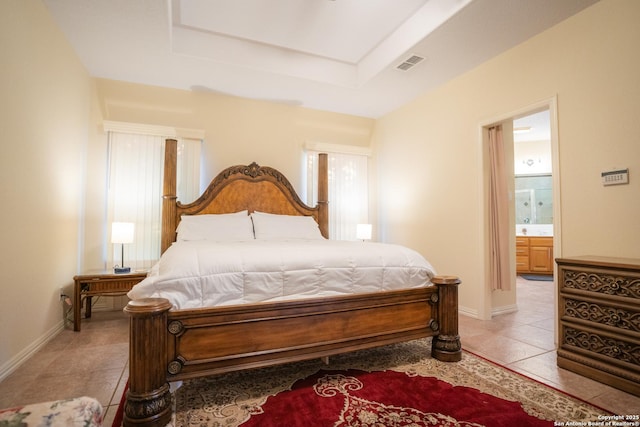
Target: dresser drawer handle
{"points": [[615, 318], [616, 350], [618, 284]]}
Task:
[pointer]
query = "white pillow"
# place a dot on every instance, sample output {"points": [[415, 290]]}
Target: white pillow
{"points": [[271, 226], [216, 227]]}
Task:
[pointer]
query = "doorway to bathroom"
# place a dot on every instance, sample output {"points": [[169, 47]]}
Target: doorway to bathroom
{"points": [[537, 222], [533, 196]]}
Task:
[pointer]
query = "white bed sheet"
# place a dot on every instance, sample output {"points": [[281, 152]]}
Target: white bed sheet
{"points": [[196, 274]]}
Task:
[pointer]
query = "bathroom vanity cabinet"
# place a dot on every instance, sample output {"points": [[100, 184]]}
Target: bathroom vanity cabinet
{"points": [[534, 254], [599, 319]]}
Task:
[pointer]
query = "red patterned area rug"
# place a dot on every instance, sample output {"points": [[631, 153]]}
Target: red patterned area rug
{"points": [[396, 385]]}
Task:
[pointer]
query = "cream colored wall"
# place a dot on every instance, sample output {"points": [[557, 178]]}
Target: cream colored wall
{"points": [[237, 131], [430, 156], [44, 117]]}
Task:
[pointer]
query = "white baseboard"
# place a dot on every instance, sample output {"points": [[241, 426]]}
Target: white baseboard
{"points": [[468, 312], [494, 312], [504, 309], [11, 365]]}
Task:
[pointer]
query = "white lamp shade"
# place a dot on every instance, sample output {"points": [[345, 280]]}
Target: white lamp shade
{"points": [[122, 232], [363, 231]]}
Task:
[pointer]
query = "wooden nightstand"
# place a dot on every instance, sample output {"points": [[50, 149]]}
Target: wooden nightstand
{"points": [[100, 283]]}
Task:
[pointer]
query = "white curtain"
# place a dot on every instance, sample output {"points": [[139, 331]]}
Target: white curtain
{"points": [[135, 191], [348, 191]]}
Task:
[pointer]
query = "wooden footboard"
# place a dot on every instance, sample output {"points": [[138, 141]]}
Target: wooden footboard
{"points": [[168, 345]]}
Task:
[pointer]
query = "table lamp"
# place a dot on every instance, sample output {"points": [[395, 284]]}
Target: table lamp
{"points": [[121, 232], [363, 232]]}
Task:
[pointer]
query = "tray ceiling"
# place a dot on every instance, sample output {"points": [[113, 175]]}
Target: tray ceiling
{"points": [[336, 55]]}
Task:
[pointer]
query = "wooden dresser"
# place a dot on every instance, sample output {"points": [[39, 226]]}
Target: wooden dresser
{"points": [[599, 319]]}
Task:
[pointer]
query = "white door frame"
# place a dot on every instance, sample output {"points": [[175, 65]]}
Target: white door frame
{"points": [[552, 105]]}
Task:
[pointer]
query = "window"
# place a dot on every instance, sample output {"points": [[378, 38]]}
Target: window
{"points": [[348, 188], [135, 191]]}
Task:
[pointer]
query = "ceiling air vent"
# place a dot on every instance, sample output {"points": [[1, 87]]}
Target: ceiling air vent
{"points": [[409, 62]]}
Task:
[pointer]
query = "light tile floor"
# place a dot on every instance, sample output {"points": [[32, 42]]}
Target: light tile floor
{"points": [[93, 362], [524, 341]]}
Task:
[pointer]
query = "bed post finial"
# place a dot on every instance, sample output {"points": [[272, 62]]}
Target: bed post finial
{"points": [[323, 194], [169, 196]]}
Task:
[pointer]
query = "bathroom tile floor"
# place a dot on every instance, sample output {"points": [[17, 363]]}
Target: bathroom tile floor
{"points": [[93, 362]]}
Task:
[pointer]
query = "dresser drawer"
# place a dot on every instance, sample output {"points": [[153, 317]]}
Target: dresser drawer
{"points": [[616, 318], [614, 283], [608, 348]]}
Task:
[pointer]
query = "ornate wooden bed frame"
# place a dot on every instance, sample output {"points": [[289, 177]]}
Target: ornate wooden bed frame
{"points": [[171, 345]]}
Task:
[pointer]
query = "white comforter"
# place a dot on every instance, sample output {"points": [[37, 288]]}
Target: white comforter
{"points": [[206, 274]]}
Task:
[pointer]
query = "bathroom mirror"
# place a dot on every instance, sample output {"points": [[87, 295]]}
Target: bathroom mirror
{"points": [[534, 199]]}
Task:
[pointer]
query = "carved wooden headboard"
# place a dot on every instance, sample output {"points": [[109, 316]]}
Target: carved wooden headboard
{"points": [[251, 187]]}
